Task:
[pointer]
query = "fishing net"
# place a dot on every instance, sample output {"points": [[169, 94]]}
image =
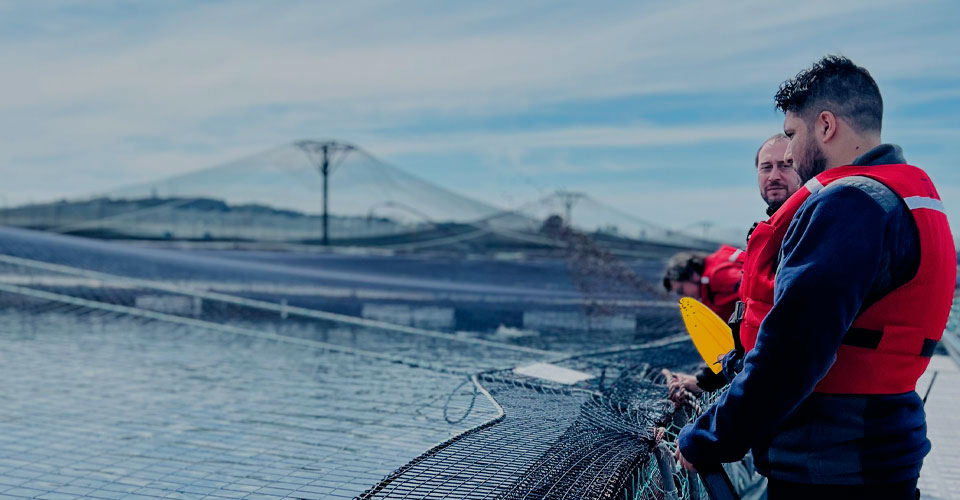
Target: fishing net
{"points": [[163, 374], [552, 441], [276, 197]]}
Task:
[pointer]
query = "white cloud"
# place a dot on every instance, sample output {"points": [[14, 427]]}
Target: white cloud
{"points": [[202, 82], [212, 61], [636, 135]]}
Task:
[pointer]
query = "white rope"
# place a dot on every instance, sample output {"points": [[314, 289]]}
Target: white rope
{"points": [[483, 390], [208, 325], [270, 306]]}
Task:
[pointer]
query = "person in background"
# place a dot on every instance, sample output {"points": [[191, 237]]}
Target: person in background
{"points": [[777, 179], [776, 175], [710, 278]]}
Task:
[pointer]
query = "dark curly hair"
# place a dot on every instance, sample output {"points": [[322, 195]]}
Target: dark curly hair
{"points": [[682, 266], [834, 84]]}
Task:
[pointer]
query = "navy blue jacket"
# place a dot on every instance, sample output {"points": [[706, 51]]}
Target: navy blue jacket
{"points": [[848, 245]]}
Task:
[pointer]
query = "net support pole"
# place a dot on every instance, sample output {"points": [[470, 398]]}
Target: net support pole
{"points": [[325, 170], [666, 465]]}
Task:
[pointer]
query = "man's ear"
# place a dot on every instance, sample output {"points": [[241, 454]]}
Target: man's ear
{"points": [[826, 127]]}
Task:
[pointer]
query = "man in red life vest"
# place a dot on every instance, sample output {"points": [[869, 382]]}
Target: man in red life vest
{"points": [[712, 279], [776, 175], [848, 288], [778, 180]]}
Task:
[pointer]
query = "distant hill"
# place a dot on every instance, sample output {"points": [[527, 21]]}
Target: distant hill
{"points": [[588, 214], [286, 177], [210, 220], [186, 219], [276, 196]]}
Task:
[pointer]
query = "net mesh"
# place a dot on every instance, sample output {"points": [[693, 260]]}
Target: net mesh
{"points": [[275, 197], [586, 441], [161, 374]]}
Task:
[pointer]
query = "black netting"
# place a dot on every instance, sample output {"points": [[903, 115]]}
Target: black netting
{"points": [[275, 196], [184, 373], [585, 441]]}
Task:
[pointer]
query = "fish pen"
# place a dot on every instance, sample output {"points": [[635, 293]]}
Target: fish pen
{"points": [[131, 373]]}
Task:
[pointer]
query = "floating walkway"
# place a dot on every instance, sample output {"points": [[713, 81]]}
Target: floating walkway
{"points": [[940, 477]]}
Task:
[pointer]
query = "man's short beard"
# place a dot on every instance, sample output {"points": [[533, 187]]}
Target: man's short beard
{"points": [[773, 206], [812, 161]]}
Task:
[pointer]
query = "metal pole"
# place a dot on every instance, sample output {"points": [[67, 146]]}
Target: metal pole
{"points": [[325, 164], [325, 170], [666, 466]]}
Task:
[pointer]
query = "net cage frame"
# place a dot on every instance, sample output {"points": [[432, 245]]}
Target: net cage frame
{"points": [[643, 478], [606, 438]]}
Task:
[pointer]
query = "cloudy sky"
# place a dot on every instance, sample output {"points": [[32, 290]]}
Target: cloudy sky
{"points": [[655, 107]]}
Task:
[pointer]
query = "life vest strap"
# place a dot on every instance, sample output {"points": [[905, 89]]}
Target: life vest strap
{"points": [[870, 339], [738, 311], [929, 347], [862, 337]]}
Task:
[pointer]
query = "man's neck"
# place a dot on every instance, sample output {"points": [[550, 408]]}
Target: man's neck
{"points": [[847, 154]]}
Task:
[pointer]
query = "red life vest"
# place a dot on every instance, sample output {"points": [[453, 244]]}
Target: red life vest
{"points": [[720, 281], [890, 343]]}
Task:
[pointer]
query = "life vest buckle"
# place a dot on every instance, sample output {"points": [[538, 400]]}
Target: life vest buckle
{"points": [[738, 311]]}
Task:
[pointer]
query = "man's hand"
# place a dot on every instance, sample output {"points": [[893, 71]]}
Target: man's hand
{"points": [[683, 461], [681, 387], [683, 381]]}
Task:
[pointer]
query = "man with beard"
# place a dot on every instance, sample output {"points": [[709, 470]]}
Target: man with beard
{"points": [[778, 180], [776, 175], [848, 288]]}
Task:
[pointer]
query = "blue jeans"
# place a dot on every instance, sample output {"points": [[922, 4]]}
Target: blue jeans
{"points": [[748, 483]]}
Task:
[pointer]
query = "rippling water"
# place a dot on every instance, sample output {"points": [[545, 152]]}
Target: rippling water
{"points": [[107, 407]]}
